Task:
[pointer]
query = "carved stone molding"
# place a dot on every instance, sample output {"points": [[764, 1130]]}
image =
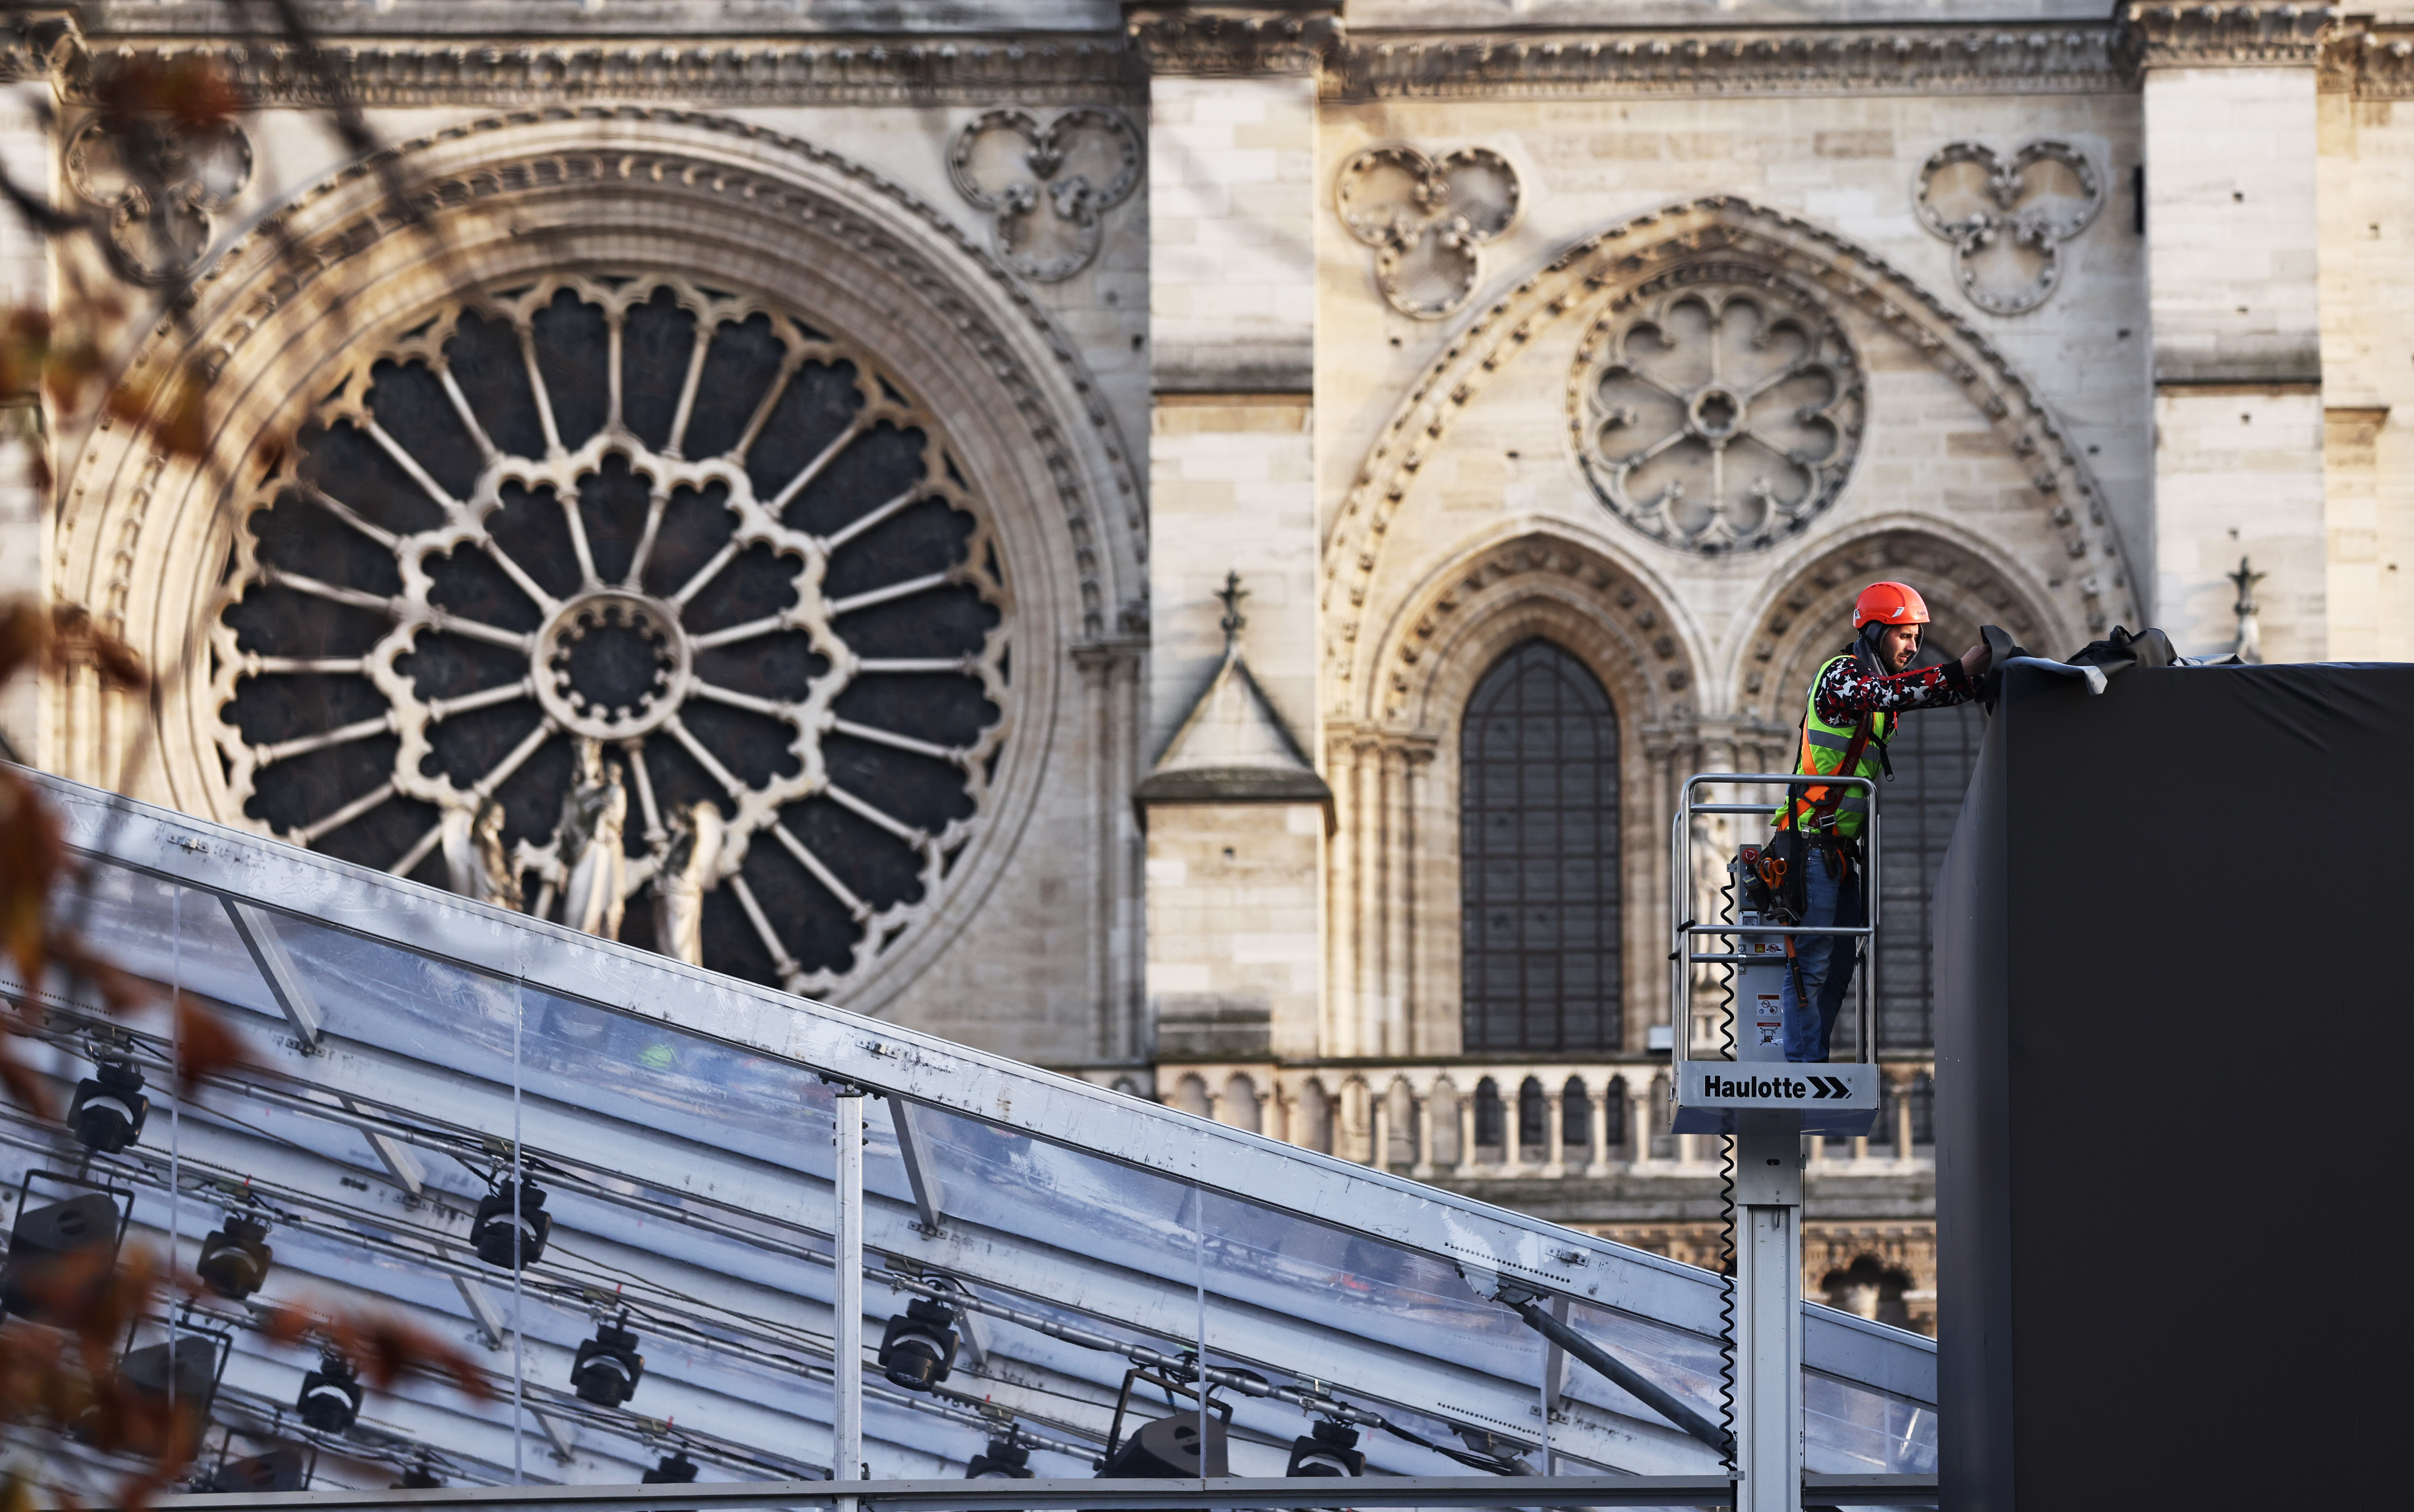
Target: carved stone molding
{"points": [[2007, 216], [1049, 192], [2017, 59], [837, 71], [1427, 219], [2096, 586], [2370, 64], [1199, 41], [2242, 34], [1647, 664]]}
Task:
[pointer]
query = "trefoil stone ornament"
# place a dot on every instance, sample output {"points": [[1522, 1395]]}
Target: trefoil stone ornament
{"points": [[161, 183], [1427, 220], [2007, 217], [1049, 186]]}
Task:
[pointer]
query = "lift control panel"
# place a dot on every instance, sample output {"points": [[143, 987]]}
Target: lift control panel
{"points": [[1729, 1049]]}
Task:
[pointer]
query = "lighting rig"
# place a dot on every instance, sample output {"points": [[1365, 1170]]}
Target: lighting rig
{"points": [[1003, 1459], [511, 1225], [331, 1395], [60, 1247], [108, 1109], [918, 1347], [234, 1258], [673, 1468], [607, 1367], [1327, 1449]]}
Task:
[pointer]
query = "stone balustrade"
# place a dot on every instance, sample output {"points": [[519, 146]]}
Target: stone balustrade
{"points": [[1471, 1119]]}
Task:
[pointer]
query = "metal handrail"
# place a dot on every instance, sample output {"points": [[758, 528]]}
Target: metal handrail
{"points": [[1681, 960]]}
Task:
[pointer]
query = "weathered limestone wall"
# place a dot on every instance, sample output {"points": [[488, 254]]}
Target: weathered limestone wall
{"points": [[2367, 336], [1233, 296], [1235, 937], [2232, 229]]}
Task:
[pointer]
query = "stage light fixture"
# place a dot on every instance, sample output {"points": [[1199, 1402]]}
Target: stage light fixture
{"points": [[281, 1469], [233, 1259], [673, 1468], [1003, 1459], [109, 1108], [608, 1368], [1326, 1449], [491, 1231], [331, 1395], [416, 1477], [918, 1346], [1167, 1448], [51, 1242]]}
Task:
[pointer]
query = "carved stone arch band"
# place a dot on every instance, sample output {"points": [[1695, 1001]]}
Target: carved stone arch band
{"points": [[681, 439], [1808, 610], [2090, 585], [1529, 582]]}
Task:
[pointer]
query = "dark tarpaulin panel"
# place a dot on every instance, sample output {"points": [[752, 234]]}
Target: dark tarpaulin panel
{"points": [[2171, 985]]}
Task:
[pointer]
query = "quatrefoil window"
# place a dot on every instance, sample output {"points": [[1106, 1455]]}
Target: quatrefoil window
{"points": [[1426, 219], [2007, 219], [1049, 186], [625, 515], [1717, 408]]}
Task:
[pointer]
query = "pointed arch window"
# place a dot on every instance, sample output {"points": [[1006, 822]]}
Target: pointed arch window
{"points": [[1539, 831]]}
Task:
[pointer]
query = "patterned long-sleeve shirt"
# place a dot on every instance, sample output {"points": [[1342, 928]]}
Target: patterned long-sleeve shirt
{"points": [[1846, 692]]}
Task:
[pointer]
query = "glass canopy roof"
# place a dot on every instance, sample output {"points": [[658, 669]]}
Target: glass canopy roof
{"points": [[415, 1047]]}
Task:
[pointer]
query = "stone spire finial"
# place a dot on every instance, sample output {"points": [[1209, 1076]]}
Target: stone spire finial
{"points": [[2250, 624], [1232, 593]]}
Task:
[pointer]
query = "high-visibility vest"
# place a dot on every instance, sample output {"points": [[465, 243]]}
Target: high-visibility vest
{"points": [[1823, 752]]}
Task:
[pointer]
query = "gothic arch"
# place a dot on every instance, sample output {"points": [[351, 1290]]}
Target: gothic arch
{"points": [[1395, 768], [2090, 585], [143, 536], [1804, 611]]}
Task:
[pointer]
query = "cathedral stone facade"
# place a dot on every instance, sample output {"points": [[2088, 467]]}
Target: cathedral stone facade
{"points": [[1196, 545]]}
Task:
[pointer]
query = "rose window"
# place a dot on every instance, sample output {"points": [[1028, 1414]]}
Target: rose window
{"points": [[1717, 408], [636, 604]]}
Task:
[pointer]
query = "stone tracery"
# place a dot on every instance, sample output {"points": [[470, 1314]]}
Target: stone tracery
{"points": [[621, 512], [1717, 408]]}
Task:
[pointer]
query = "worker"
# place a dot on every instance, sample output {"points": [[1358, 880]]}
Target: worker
{"points": [[1846, 722]]}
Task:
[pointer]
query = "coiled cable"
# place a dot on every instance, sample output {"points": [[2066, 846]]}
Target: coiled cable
{"points": [[1727, 1190]]}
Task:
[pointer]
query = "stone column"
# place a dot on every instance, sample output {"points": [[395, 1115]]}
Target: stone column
{"points": [[1638, 1123], [1466, 1136], [1902, 1080], [1599, 1164], [2232, 244], [1512, 1114], [1379, 1115], [1423, 1103], [1555, 1134]]}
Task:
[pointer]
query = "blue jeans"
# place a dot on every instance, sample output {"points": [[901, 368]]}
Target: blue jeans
{"points": [[1827, 961]]}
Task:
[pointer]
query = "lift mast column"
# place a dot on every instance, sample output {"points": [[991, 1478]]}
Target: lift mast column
{"points": [[1742, 1086]]}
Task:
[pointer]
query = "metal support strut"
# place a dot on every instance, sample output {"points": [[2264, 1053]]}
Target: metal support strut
{"points": [[846, 1302], [1768, 1312]]}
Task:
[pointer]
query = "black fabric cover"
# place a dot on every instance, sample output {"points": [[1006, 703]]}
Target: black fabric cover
{"points": [[2171, 975]]}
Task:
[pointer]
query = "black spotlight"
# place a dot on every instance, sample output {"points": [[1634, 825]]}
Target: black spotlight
{"points": [[919, 1344], [673, 1469], [1327, 1449], [608, 1366], [109, 1108], [1167, 1448], [491, 1234], [233, 1259], [1003, 1459], [48, 1244], [416, 1477], [331, 1395], [281, 1469]]}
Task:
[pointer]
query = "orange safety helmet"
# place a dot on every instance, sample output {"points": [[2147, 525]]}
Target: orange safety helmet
{"points": [[1890, 604]]}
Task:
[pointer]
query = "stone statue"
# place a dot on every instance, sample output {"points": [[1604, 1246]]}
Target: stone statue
{"points": [[476, 862], [594, 814], [688, 868]]}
